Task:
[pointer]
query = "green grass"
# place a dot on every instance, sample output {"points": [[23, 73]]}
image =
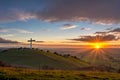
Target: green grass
{"points": [[38, 59], [34, 58], [8, 73]]}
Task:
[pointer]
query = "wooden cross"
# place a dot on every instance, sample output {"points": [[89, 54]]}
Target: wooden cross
{"points": [[31, 42]]}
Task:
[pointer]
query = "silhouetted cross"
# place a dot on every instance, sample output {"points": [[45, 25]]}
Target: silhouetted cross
{"points": [[31, 42]]}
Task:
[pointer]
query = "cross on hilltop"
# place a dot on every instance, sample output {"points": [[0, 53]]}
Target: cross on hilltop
{"points": [[31, 42]]}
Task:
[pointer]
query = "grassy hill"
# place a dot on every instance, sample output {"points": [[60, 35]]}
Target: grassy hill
{"points": [[34, 58]]}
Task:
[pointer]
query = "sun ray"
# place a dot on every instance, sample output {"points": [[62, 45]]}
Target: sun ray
{"points": [[96, 55]]}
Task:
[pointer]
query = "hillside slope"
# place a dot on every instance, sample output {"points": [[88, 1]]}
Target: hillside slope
{"points": [[109, 57], [35, 58]]}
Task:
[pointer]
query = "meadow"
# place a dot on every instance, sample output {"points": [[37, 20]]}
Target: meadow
{"points": [[8, 73]]}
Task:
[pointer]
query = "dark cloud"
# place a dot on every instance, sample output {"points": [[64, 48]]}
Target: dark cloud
{"points": [[69, 42], [39, 41], [97, 38], [85, 28], [101, 33], [101, 36], [101, 11], [116, 30], [110, 28], [106, 11], [110, 31], [7, 41]]}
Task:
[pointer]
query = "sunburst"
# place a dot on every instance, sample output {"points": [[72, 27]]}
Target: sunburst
{"points": [[97, 46]]}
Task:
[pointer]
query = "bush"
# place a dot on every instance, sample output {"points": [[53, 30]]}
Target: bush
{"points": [[48, 51], [56, 53], [118, 71], [66, 55], [3, 64], [4, 51]]}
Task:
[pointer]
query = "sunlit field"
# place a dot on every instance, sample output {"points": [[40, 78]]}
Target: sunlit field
{"points": [[97, 56], [7, 73]]}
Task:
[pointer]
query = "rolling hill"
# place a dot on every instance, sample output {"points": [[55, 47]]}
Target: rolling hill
{"points": [[35, 58]]}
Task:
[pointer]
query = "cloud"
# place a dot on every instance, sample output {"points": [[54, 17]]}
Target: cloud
{"points": [[116, 30], [15, 15], [68, 26], [46, 29], [39, 41], [69, 42], [110, 28], [8, 35], [2, 40], [104, 23], [101, 33], [22, 31], [85, 28], [23, 15], [101, 36], [100, 11], [110, 31], [4, 30], [97, 38]]}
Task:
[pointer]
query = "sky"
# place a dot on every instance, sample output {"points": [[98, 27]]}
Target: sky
{"points": [[67, 22]]}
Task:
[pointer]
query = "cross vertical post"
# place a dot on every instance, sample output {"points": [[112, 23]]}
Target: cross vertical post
{"points": [[31, 42]]}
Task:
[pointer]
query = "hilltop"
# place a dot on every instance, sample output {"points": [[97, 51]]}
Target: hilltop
{"points": [[35, 58]]}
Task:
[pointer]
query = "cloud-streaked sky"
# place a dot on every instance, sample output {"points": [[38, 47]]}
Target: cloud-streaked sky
{"points": [[58, 21]]}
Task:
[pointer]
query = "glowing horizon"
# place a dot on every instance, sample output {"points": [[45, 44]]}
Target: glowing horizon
{"points": [[70, 23]]}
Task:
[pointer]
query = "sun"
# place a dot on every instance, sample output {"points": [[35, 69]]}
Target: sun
{"points": [[97, 46]]}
